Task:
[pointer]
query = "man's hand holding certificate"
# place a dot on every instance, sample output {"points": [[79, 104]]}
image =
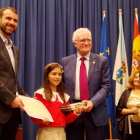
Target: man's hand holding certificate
{"points": [[35, 108]]}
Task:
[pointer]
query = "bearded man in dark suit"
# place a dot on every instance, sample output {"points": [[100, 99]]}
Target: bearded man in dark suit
{"points": [[10, 104]]}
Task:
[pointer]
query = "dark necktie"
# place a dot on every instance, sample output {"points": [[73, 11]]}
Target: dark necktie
{"points": [[84, 93]]}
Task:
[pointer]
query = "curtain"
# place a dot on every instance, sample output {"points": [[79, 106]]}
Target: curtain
{"points": [[44, 35]]}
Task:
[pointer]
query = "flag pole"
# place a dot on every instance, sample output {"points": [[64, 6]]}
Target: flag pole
{"points": [[136, 13], [110, 124], [110, 128], [104, 14], [136, 10]]}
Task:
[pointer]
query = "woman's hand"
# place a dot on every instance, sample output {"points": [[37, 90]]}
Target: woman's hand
{"points": [[46, 121], [134, 110]]}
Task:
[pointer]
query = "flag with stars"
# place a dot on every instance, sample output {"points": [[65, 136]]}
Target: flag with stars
{"points": [[136, 46], [120, 74], [104, 51]]}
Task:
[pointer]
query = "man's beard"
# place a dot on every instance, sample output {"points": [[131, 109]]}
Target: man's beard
{"points": [[6, 31]]}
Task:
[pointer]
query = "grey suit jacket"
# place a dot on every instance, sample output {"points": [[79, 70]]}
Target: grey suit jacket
{"points": [[98, 84], [8, 82]]}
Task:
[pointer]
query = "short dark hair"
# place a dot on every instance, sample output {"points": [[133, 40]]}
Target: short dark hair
{"points": [[5, 8]]}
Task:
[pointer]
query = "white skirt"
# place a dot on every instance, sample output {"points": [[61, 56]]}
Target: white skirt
{"points": [[51, 133]]}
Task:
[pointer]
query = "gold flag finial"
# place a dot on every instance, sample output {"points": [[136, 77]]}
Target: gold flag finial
{"points": [[120, 10], [136, 10], [104, 12]]}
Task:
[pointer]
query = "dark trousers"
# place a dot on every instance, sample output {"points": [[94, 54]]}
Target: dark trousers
{"points": [[8, 130], [135, 131], [75, 130]]}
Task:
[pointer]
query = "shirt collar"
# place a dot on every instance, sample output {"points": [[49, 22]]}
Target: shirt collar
{"points": [[6, 41], [86, 56]]}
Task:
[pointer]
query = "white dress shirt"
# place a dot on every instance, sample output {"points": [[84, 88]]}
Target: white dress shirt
{"points": [[9, 49]]}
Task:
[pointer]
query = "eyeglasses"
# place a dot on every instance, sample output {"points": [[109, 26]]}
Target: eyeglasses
{"points": [[84, 40]]}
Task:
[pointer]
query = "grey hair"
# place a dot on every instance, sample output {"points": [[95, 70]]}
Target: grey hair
{"points": [[80, 30]]}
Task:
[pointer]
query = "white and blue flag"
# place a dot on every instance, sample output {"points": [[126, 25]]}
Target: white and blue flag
{"points": [[120, 74]]}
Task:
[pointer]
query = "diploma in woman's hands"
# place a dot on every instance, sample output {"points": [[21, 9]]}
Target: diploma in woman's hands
{"points": [[35, 108]]}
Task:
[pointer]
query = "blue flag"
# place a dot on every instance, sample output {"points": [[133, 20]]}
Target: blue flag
{"points": [[104, 51]]}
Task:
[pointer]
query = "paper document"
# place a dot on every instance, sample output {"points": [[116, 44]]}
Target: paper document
{"points": [[35, 108], [71, 107]]}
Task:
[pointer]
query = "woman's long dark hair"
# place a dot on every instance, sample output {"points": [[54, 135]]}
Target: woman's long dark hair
{"points": [[61, 88]]}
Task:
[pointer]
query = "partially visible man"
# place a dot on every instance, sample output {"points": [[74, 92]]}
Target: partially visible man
{"points": [[10, 104], [86, 76]]}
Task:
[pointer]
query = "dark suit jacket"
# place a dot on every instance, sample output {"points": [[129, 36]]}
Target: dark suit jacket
{"points": [[8, 82], [98, 84]]}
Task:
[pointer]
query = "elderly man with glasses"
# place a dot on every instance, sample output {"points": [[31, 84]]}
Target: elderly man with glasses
{"points": [[86, 76]]}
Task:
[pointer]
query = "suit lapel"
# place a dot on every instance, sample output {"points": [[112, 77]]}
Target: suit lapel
{"points": [[73, 66], [92, 63], [15, 57], [5, 52]]}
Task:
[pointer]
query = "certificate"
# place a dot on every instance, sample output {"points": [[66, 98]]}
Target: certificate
{"points": [[72, 107], [35, 108]]}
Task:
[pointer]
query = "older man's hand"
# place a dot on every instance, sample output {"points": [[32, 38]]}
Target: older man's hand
{"points": [[88, 105]]}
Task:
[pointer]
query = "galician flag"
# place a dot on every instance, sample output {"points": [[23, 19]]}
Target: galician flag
{"points": [[104, 51], [120, 74], [136, 45]]}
